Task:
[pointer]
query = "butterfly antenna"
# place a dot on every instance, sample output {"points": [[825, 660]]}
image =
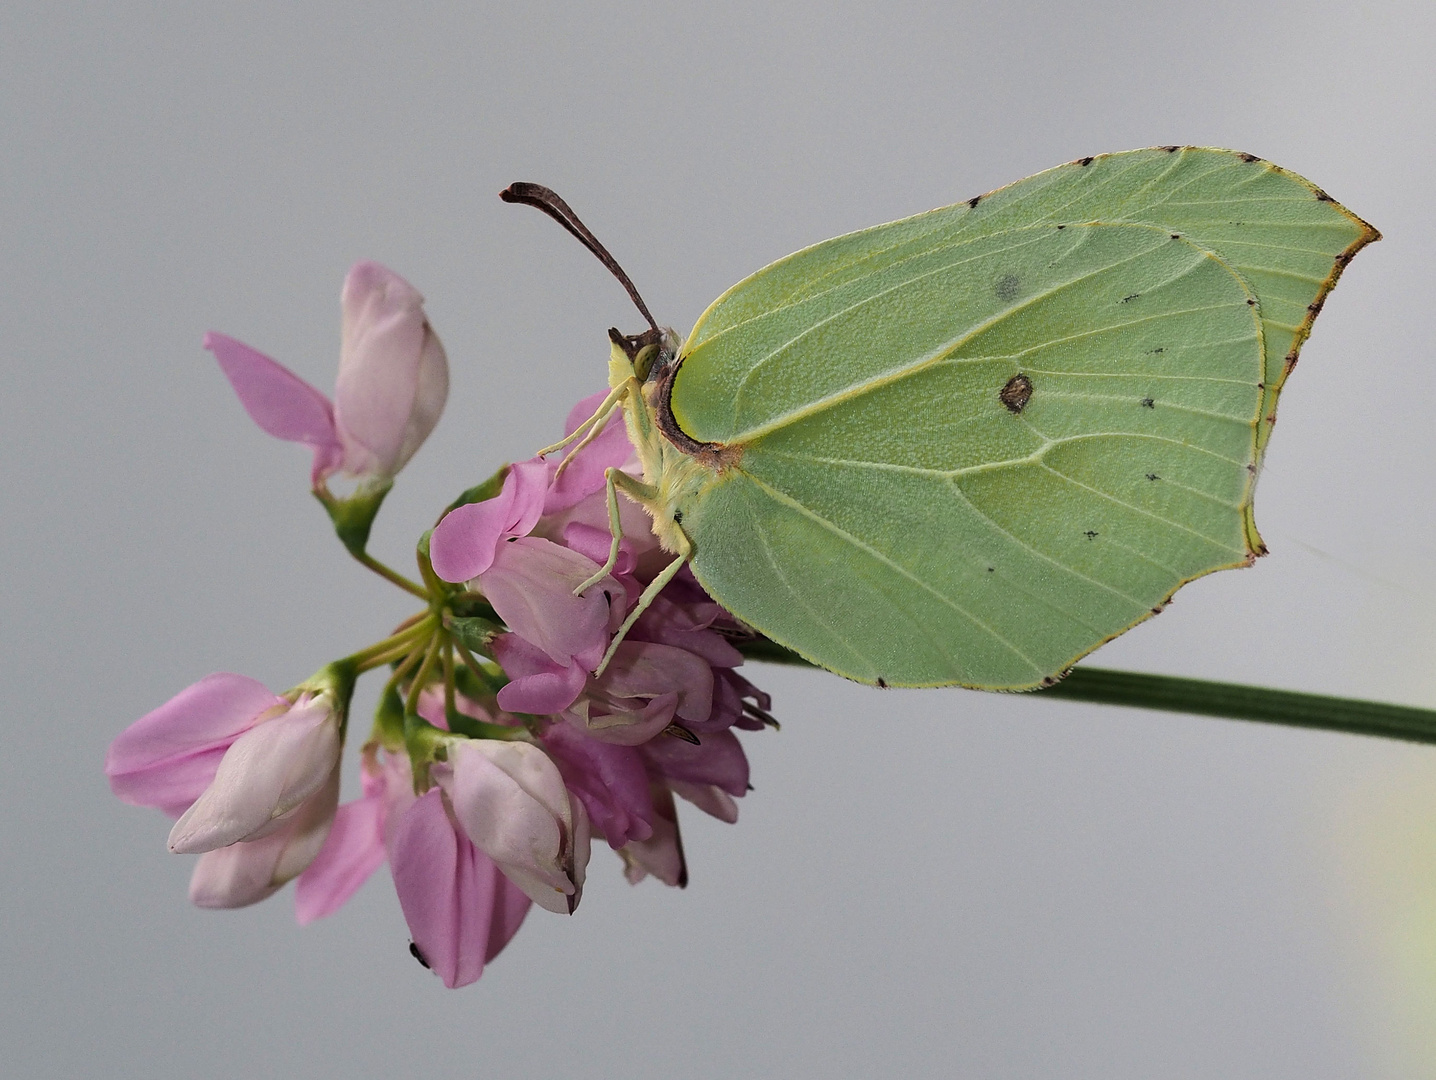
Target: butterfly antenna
{"points": [[547, 200]]}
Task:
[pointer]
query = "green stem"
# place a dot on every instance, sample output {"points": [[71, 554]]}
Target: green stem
{"points": [[1203, 697], [1235, 701], [391, 575], [393, 647], [474, 666], [401, 673], [411, 703], [449, 707]]}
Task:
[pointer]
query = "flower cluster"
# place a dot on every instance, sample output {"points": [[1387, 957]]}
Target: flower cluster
{"points": [[497, 752]]}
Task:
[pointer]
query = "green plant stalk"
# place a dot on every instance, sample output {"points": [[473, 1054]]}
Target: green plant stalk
{"points": [[1204, 697]]}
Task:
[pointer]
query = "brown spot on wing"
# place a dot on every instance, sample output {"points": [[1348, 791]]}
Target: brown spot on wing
{"points": [[1016, 393]]}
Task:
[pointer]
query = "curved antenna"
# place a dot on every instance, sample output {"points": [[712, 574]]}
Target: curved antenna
{"points": [[547, 200]]}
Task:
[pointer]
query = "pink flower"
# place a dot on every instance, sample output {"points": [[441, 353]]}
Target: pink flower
{"points": [[512, 803], [251, 870], [392, 384], [279, 805], [167, 758], [643, 689], [611, 781], [528, 580], [460, 908], [284, 757]]}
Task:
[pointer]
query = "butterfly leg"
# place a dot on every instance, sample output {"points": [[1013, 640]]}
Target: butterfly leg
{"points": [[654, 588], [599, 421], [615, 523], [594, 423]]}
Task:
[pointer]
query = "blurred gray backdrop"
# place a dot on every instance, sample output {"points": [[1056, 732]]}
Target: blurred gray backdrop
{"points": [[934, 883]]}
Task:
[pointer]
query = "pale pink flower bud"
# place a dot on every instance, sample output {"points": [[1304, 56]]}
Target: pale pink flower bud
{"points": [[268, 771], [392, 384], [511, 801], [393, 374], [249, 871]]}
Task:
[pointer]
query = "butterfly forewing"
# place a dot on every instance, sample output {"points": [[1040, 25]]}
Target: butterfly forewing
{"points": [[908, 523]]}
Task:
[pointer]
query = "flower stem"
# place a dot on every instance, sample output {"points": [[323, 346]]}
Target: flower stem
{"points": [[391, 575], [421, 677], [393, 647], [1203, 697], [401, 673]]}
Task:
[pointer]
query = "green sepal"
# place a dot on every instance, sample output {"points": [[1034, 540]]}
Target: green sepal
{"points": [[468, 683], [438, 588], [461, 724], [354, 517], [474, 632], [389, 718], [424, 743], [480, 492], [471, 606], [336, 678]]}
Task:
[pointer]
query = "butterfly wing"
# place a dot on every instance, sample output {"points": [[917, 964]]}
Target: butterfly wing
{"points": [[980, 442]]}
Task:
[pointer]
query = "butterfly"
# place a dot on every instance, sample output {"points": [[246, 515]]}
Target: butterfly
{"points": [[971, 446]]}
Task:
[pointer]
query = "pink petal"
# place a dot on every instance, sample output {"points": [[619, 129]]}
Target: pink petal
{"points": [[610, 722], [353, 850], [593, 543], [393, 374], [266, 772], [174, 787], [585, 472], [719, 761], [168, 756], [612, 782], [462, 545], [279, 401], [510, 907], [464, 542], [592, 513], [662, 853], [450, 893], [644, 669], [537, 684], [530, 479], [711, 800], [238, 875], [686, 627], [530, 585]]}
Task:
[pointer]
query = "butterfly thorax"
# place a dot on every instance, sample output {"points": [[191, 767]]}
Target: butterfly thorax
{"points": [[677, 468]]}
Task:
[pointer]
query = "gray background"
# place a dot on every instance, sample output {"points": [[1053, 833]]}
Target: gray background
{"points": [[924, 883]]}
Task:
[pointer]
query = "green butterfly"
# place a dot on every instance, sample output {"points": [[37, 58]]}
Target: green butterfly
{"points": [[971, 446]]}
